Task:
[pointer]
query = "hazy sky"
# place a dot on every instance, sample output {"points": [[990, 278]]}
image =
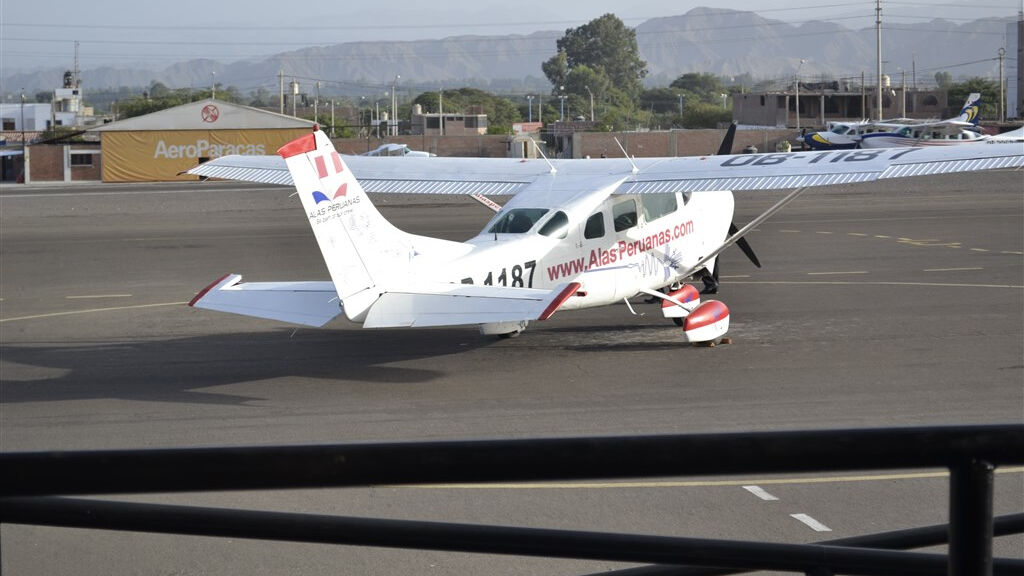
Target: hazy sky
{"points": [[35, 34]]}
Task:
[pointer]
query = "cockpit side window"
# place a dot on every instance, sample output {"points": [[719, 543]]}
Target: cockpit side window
{"points": [[517, 221], [624, 215], [594, 227], [557, 226], [658, 205]]}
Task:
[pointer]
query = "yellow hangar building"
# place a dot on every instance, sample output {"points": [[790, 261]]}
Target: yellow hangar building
{"points": [[158, 146]]}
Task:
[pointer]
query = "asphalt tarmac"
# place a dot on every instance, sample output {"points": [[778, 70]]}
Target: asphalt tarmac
{"points": [[885, 304]]}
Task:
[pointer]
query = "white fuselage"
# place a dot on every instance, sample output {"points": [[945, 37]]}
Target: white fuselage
{"points": [[614, 249], [921, 136]]}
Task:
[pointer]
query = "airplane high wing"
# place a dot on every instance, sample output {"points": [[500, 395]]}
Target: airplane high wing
{"points": [[506, 176], [574, 234]]}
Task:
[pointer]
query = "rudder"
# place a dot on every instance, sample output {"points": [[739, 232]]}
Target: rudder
{"points": [[362, 250]]}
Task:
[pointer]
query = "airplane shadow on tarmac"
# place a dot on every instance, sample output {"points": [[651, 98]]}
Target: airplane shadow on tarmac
{"points": [[179, 370]]}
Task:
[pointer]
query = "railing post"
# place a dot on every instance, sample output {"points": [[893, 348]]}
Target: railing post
{"points": [[970, 519]]}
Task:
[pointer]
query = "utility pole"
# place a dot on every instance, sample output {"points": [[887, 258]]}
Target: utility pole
{"points": [[280, 78], [394, 106], [863, 97], [295, 94], [591, 103], [23, 125], [316, 104], [903, 93], [529, 107], [878, 49], [798, 93], [1002, 103], [213, 85], [440, 110]]}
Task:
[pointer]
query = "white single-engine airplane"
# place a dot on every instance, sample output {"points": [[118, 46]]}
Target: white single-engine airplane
{"points": [[575, 234]]}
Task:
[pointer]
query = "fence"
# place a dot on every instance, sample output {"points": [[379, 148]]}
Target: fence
{"points": [[31, 482]]}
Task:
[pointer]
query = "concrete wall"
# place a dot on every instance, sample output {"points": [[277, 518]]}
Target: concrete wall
{"points": [[592, 144], [487, 146]]}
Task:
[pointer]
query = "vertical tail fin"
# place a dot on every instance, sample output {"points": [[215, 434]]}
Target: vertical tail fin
{"points": [[362, 250], [969, 113]]}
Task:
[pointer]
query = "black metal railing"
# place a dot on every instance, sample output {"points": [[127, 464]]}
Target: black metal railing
{"points": [[31, 483]]}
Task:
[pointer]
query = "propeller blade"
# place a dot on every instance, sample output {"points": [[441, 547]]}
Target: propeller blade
{"points": [[726, 147], [744, 245]]}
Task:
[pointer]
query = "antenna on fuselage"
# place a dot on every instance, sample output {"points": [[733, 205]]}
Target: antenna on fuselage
{"points": [[626, 154], [537, 148]]}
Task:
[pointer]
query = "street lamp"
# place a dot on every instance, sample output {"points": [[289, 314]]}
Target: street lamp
{"points": [[23, 126], [797, 84], [213, 85], [561, 104], [529, 106], [591, 103]]}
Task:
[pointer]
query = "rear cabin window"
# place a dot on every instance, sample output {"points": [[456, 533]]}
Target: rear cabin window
{"points": [[595, 226], [517, 221], [624, 215], [556, 227], [658, 205]]}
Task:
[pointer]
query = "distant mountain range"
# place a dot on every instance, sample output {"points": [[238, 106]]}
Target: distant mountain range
{"points": [[718, 41]]}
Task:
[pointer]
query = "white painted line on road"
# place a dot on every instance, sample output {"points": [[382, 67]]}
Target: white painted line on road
{"points": [[1011, 252], [855, 234], [790, 231], [91, 311], [736, 276], [760, 493], [978, 250], [811, 522], [951, 269], [98, 296], [822, 232], [870, 283], [836, 273], [880, 236], [701, 483]]}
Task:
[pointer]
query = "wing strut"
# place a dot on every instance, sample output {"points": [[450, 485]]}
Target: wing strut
{"points": [[738, 235]]}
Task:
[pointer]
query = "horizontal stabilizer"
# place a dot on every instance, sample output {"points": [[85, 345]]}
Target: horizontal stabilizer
{"points": [[307, 303], [463, 304]]}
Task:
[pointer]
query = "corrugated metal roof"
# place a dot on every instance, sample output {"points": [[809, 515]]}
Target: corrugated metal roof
{"points": [[207, 115]]}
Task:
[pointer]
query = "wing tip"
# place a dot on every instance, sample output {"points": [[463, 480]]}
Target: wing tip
{"points": [[199, 296], [569, 290]]}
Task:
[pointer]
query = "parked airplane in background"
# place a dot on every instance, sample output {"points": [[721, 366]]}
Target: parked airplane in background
{"points": [[396, 150], [901, 132], [953, 131], [837, 136], [575, 234]]}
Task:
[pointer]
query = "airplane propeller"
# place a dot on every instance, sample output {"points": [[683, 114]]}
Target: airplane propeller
{"points": [[744, 245], [711, 280]]}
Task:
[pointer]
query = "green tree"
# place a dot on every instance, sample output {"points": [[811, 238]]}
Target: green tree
{"points": [[605, 46], [702, 115], [989, 90], [943, 79], [501, 112], [706, 87], [159, 90]]}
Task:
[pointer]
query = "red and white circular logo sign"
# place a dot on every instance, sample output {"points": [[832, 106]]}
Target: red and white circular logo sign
{"points": [[210, 113]]}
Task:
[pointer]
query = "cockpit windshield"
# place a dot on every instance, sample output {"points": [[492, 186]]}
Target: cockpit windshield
{"points": [[840, 129], [517, 221]]}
